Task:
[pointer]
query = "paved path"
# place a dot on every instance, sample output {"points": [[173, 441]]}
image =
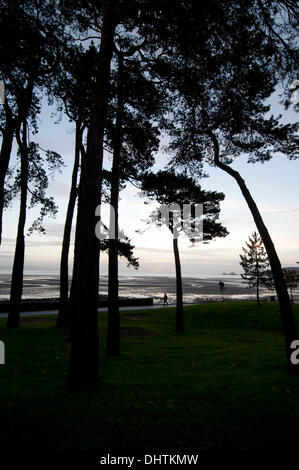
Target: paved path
{"points": [[102, 309]]}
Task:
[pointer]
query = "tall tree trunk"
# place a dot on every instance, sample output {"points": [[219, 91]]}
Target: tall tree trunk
{"points": [[285, 306], [7, 139], [179, 288], [84, 358], [63, 314], [16, 290], [113, 335], [12, 123]]}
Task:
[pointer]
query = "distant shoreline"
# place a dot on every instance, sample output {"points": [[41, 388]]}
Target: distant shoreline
{"points": [[195, 289]]}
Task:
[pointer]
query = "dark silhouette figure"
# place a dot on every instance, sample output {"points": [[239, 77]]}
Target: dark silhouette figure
{"points": [[221, 287], [165, 302]]}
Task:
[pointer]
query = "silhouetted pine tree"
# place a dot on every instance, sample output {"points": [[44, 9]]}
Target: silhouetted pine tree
{"points": [[32, 35], [223, 113], [175, 191], [31, 178], [255, 263]]}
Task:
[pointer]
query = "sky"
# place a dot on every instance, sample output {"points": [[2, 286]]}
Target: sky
{"points": [[274, 186]]}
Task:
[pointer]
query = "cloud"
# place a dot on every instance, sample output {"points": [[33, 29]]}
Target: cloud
{"points": [[8, 241], [6, 254], [152, 250], [60, 189], [56, 229], [41, 243], [294, 211], [189, 253]]}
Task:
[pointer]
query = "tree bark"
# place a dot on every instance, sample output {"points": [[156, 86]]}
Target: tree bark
{"points": [[16, 290], [179, 288], [84, 358], [63, 313], [285, 306], [113, 334], [7, 140]]}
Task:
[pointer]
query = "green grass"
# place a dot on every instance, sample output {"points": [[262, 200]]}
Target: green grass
{"points": [[222, 384]]}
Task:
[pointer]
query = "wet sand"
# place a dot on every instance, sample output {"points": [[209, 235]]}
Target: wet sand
{"points": [[195, 290]]}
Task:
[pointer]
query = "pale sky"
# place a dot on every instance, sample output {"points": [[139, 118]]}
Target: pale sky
{"points": [[274, 186]]}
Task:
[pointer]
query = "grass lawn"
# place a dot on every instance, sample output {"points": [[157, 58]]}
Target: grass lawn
{"points": [[222, 384]]}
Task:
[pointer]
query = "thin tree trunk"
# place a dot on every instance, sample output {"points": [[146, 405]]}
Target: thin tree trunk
{"points": [[285, 306], [113, 335], [11, 125], [179, 288], [84, 358], [257, 294], [7, 140], [257, 285], [16, 290], [63, 314]]}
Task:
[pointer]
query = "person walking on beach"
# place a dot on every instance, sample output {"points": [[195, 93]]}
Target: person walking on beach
{"points": [[165, 300], [221, 287]]}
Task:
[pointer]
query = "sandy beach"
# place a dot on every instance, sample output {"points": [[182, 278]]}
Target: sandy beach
{"points": [[195, 289]]}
